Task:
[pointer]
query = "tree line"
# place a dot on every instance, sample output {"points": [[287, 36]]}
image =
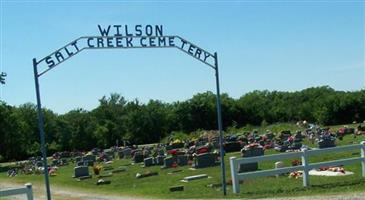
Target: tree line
{"points": [[116, 119]]}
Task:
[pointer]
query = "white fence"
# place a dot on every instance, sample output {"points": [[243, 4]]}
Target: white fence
{"points": [[305, 167], [16, 191]]}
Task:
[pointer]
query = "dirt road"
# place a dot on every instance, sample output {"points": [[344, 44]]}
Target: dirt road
{"points": [[71, 194], [59, 193]]}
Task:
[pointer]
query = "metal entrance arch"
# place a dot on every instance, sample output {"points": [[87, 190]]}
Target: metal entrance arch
{"points": [[170, 39]]}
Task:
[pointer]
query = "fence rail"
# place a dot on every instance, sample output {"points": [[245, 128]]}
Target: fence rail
{"points": [[17, 191], [305, 167]]}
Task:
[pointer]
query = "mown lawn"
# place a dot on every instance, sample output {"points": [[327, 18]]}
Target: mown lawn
{"points": [[125, 183]]}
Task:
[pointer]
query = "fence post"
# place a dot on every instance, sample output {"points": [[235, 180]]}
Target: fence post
{"points": [[234, 171], [305, 166], [29, 191], [363, 158]]}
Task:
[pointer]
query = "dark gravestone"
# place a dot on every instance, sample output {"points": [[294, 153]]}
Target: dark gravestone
{"points": [[168, 162], [127, 152], [248, 167], [326, 142], [81, 171], [182, 160], [205, 160], [296, 146], [232, 146], [89, 160], [176, 188], [138, 157], [175, 146], [148, 162], [159, 160]]}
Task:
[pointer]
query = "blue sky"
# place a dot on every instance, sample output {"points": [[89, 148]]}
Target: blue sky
{"points": [[274, 45]]}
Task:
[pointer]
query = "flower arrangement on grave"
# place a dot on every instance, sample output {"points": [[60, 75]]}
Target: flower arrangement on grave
{"points": [[296, 162], [333, 169], [52, 171], [296, 174], [172, 152], [97, 169], [251, 146]]}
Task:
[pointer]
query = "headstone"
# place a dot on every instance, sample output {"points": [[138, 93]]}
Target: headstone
{"points": [[81, 171], [127, 153], [278, 165], [109, 153], [175, 146], [138, 157], [159, 160], [148, 162], [168, 162], [232, 146], [205, 160], [176, 188], [103, 182], [326, 141], [250, 152], [296, 145], [182, 160], [196, 177], [147, 174]]}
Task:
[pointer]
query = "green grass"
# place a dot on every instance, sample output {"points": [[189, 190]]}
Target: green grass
{"points": [[125, 183]]}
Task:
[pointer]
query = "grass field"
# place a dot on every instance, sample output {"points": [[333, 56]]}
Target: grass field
{"points": [[125, 183]]}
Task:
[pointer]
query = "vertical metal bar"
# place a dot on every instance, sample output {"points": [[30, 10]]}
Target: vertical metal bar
{"points": [[29, 191], [363, 158], [219, 113], [305, 166], [234, 171], [41, 129]]}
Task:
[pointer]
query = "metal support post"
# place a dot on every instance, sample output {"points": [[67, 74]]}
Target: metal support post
{"points": [[220, 126], [41, 129]]}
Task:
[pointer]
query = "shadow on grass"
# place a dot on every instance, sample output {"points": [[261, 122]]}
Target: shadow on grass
{"points": [[313, 189], [338, 184]]}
